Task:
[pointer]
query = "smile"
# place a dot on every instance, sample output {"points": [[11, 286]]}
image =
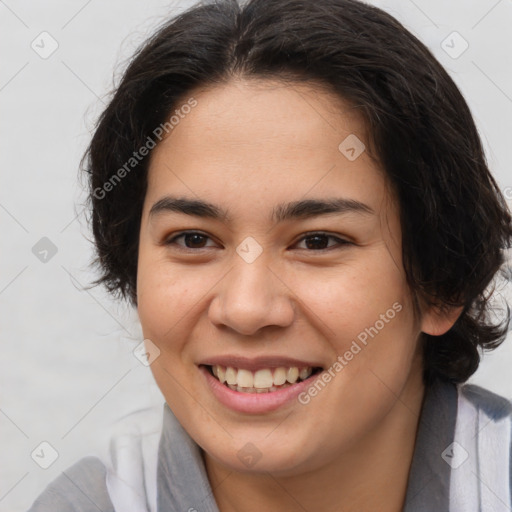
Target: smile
{"points": [[264, 380]]}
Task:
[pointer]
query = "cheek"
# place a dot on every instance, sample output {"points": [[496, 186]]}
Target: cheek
{"points": [[352, 297], [167, 299], [365, 312], [167, 296]]}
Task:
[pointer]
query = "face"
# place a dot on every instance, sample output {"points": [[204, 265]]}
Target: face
{"points": [[279, 269]]}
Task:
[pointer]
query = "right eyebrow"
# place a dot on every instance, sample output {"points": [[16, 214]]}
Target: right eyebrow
{"points": [[194, 207]]}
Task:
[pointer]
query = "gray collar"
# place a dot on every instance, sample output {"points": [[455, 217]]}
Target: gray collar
{"points": [[183, 484], [428, 488]]}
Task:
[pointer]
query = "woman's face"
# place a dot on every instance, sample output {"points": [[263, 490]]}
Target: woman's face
{"points": [[293, 265]]}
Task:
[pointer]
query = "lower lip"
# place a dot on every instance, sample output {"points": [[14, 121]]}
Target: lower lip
{"points": [[254, 403]]}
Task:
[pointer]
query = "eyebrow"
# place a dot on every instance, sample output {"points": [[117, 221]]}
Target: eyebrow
{"points": [[302, 209]]}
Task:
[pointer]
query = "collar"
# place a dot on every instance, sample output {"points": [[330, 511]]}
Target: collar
{"points": [[183, 483], [428, 488]]}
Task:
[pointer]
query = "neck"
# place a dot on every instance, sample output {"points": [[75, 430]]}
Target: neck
{"points": [[371, 475]]}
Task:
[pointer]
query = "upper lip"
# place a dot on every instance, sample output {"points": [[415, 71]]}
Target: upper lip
{"points": [[256, 363]]}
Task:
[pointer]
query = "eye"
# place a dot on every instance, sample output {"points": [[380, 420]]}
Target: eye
{"points": [[192, 240], [320, 241], [313, 241]]}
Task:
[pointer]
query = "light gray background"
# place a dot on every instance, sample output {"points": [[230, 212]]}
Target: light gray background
{"points": [[67, 368]]}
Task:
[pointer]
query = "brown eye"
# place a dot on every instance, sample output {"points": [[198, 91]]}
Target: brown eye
{"points": [[317, 242], [320, 241], [192, 240]]}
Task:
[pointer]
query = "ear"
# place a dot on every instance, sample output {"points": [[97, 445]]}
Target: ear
{"points": [[437, 320]]}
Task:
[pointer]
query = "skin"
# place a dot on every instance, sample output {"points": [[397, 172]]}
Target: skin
{"points": [[247, 146]]}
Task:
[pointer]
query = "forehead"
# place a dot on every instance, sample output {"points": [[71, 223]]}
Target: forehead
{"points": [[267, 112], [265, 138]]}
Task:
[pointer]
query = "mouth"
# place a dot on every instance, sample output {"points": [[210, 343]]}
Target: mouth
{"points": [[262, 380]]}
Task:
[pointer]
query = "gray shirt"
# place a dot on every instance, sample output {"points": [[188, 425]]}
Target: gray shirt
{"points": [[182, 484]]}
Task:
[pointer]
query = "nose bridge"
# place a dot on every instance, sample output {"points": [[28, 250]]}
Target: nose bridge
{"points": [[254, 279], [251, 297]]}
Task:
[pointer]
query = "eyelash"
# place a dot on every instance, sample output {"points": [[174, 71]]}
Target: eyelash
{"points": [[340, 241]]}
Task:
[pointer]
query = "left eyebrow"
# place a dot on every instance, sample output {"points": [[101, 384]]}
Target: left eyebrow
{"points": [[308, 208], [302, 209]]}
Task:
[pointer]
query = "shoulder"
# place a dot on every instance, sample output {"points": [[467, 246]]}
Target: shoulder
{"points": [[80, 488], [122, 477], [496, 407], [484, 417], [480, 456]]}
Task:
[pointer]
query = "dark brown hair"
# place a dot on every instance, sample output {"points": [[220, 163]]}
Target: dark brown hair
{"points": [[454, 219]]}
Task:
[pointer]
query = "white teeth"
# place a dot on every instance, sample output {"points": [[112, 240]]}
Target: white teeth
{"points": [[241, 389], [262, 378], [266, 379], [304, 373], [231, 374], [245, 379], [279, 376], [292, 375]]}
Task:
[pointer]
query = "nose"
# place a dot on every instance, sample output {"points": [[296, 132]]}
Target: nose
{"points": [[250, 297]]}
